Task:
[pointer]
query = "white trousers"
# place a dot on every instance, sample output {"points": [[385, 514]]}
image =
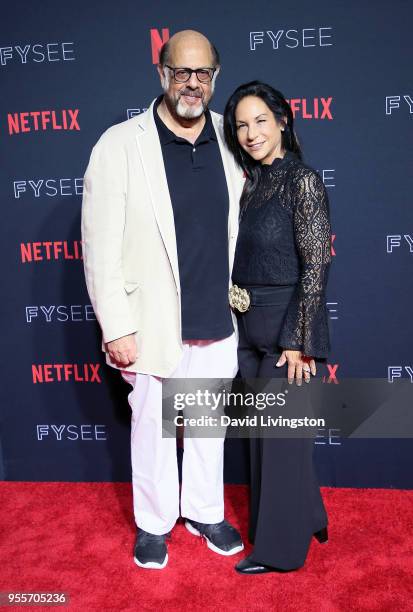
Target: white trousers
{"points": [[154, 460]]}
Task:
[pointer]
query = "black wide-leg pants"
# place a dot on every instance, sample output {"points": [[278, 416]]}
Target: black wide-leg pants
{"points": [[286, 507]]}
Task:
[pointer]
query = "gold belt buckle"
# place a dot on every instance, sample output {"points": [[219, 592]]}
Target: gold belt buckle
{"points": [[239, 299]]}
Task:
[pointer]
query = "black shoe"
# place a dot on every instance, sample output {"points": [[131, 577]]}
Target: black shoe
{"points": [[248, 566], [221, 537], [150, 550], [322, 535]]}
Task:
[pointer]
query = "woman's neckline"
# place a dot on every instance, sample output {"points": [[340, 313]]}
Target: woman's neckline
{"points": [[277, 161]]}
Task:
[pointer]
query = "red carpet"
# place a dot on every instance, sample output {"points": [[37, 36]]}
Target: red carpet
{"points": [[78, 538]]}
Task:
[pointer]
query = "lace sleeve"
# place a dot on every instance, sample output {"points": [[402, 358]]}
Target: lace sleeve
{"points": [[306, 327]]}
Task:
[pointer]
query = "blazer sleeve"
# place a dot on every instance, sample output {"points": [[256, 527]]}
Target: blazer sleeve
{"points": [[103, 222], [305, 326]]}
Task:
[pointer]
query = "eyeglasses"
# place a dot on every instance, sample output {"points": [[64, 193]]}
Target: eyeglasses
{"points": [[182, 75]]}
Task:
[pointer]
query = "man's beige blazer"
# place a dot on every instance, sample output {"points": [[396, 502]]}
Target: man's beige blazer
{"points": [[129, 242]]}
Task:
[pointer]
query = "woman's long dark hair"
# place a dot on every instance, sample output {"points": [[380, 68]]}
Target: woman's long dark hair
{"points": [[280, 109]]}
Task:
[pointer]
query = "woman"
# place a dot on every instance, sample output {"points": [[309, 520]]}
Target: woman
{"points": [[281, 263]]}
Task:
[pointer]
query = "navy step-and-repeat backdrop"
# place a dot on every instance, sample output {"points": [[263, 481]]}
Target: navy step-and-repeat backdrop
{"points": [[70, 70]]}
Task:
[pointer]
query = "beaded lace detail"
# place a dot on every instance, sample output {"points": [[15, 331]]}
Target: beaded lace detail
{"points": [[285, 238]]}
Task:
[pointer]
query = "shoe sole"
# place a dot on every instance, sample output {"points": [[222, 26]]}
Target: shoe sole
{"points": [[152, 564], [211, 546]]}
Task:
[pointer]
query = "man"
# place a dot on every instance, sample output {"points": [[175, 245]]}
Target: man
{"points": [[159, 225]]}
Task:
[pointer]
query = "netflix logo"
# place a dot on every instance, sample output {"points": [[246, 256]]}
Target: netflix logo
{"points": [[331, 376], [66, 372], [47, 120], [311, 108], [158, 39], [48, 251], [333, 251]]}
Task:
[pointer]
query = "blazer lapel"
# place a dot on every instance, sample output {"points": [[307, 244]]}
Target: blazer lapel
{"points": [[229, 175], [152, 160]]}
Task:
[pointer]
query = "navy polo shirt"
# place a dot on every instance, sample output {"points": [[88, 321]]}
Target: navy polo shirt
{"points": [[200, 202]]}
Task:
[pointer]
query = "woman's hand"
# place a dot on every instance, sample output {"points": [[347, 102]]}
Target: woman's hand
{"points": [[299, 366]]}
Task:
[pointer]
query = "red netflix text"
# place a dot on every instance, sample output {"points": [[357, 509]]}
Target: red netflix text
{"points": [[65, 372], [59, 249], [311, 108], [331, 377], [43, 120]]}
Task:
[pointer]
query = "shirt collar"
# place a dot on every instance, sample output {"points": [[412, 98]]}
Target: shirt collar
{"points": [[166, 135]]}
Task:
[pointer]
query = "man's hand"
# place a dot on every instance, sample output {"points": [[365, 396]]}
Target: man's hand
{"points": [[123, 351], [298, 366]]}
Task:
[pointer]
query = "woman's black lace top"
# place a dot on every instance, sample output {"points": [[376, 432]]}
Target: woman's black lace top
{"points": [[284, 239]]}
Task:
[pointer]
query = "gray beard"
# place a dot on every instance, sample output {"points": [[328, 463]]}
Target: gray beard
{"points": [[178, 108], [189, 112]]}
